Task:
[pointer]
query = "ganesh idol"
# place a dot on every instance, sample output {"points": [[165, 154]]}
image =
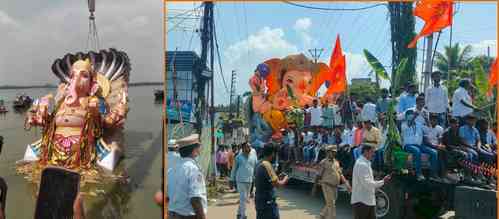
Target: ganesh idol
{"points": [[280, 87], [82, 124]]}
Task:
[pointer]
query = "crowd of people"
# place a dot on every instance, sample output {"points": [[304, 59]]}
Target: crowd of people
{"points": [[347, 136], [187, 197], [432, 126]]}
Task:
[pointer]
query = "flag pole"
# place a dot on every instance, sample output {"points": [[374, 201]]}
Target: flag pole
{"points": [[497, 122], [164, 120]]}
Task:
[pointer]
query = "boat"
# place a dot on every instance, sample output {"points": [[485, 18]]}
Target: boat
{"points": [[158, 95], [3, 109], [23, 101]]}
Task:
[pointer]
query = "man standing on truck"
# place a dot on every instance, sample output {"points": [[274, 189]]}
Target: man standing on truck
{"points": [[437, 99], [265, 182], [329, 177], [364, 186], [315, 115]]}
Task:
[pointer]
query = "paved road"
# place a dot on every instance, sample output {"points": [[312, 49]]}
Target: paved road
{"points": [[295, 202]]}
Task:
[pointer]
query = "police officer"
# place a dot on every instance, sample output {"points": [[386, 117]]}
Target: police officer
{"points": [[330, 176], [265, 182], [173, 155], [186, 186]]}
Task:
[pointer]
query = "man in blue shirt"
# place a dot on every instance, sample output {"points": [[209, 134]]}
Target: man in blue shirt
{"points": [[471, 137], [383, 103], [412, 140], [408, 101], [242, 174]]}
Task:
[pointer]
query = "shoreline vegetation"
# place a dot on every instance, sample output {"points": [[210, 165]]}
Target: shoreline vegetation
{"points": [[135, 84]]}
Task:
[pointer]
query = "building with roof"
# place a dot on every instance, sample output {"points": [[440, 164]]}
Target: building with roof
{"points": [[186, 78]]}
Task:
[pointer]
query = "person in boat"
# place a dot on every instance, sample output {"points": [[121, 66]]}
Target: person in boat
{"points": [[78, 133], [2, 106]]}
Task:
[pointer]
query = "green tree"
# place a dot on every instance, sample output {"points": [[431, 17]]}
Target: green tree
{"points": [[402, 25], [453, 59], [362, 91]]}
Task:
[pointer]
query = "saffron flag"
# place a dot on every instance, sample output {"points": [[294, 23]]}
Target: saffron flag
{"points": [[437, 14], [492, 77], [337, 63]]}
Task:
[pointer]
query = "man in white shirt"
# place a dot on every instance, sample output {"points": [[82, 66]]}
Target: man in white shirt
{"points": [[432, 140], [186, 186], [368, 112], [437, 99], [364, 186], [461, 102], [315, 114]]}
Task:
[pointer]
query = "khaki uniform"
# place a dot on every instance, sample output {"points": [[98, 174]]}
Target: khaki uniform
{"points": [[331, 178]]}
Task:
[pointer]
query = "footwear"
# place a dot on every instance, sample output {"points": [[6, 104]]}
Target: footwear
{"points": [[420, 178]]}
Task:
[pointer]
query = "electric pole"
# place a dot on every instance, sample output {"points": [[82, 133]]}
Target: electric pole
{"points": [[316, 53], [428, 67], [232, 92]]}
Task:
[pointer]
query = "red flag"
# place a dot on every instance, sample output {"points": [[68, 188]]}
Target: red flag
{"points": [[437, 14], [337, 63], [492, 77]]}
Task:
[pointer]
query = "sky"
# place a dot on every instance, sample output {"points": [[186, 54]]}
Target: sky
{"points": [[35, 33], [250, 33]]}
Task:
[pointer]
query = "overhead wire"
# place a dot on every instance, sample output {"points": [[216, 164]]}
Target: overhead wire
{"points": [[335, 9], [219, 59]]}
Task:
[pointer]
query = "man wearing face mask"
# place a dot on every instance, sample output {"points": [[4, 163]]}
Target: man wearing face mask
{"points": [[186, 186]]}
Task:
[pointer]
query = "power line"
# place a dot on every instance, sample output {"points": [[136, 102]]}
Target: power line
{"points": [[335, 9], [219, 59]]}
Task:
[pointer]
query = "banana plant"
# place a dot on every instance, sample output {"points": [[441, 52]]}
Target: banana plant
{"points": [[378, 68]]}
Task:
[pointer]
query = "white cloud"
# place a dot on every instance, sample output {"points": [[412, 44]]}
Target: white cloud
{"points": [[302, 24], [245, 55], [357, 66], [480, 48], [6, 20], [302, 27]]}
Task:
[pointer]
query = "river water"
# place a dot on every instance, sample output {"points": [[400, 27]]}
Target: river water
{"points": [[142, 161]]}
